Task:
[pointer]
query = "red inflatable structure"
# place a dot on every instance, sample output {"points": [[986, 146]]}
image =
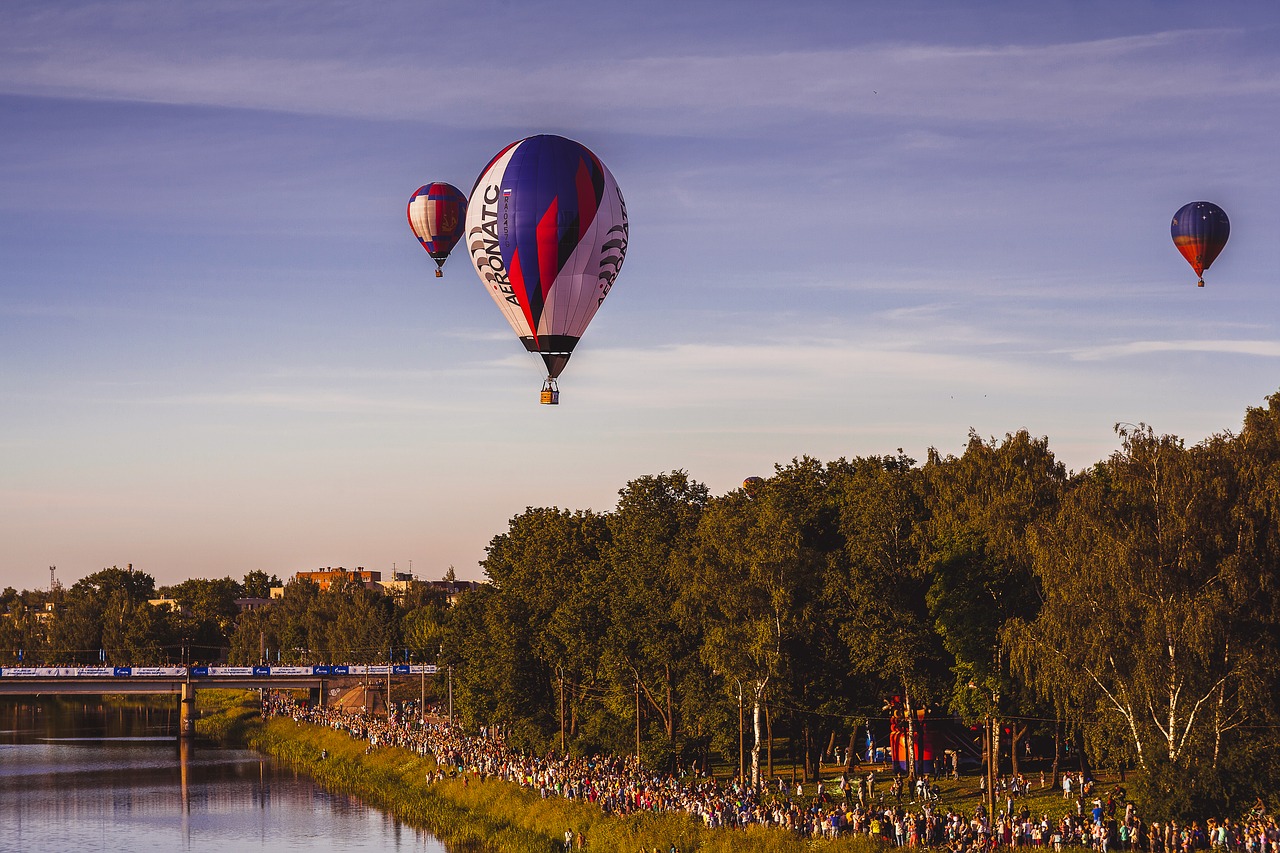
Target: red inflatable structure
{"points": [[925, 746]]}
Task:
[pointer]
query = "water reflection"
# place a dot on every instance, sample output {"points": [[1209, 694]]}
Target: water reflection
{"points": [[75, 776]]}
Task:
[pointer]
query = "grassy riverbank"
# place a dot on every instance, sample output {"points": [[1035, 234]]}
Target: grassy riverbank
{"points": [[227, 716], [493, 816]]}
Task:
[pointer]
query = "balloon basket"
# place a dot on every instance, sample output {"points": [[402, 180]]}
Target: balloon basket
{"points": [[1200, 283], [550, 393], [439, 273]]}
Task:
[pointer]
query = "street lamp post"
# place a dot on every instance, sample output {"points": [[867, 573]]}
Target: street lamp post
{"points": [[742, 755], [560, 673], [993, 755], [991, 761], [991, 739]]}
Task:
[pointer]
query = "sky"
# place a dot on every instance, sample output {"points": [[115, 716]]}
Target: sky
{"points": [[854, 227]]}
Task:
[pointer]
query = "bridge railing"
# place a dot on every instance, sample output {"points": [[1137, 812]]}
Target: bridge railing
{"points": [[199, 672]]}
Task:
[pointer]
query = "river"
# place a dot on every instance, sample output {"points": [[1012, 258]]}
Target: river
{"points": [[78, 777]]}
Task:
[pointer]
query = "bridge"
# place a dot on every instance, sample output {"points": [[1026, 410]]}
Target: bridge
{"points": [[183, 681]]}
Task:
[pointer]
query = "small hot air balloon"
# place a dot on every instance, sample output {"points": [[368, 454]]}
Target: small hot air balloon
{"points": [[1200, 230], [752, 485], [547, 233], [437, 213]]}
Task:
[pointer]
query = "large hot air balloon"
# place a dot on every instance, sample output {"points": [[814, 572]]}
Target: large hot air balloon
{"points": [[1200, 230], [547, 233], [437, 213]]}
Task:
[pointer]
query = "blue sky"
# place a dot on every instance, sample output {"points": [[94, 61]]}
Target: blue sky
{"points": [[854, 227]]}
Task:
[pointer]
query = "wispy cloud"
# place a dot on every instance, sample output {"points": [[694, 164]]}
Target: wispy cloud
{"points": [[782, 370], [299, 401], [1264, 349], [1058, 84]]}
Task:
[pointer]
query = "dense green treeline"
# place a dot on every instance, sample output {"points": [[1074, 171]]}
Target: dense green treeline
{"points": [[106, 618], [1125, 613]]}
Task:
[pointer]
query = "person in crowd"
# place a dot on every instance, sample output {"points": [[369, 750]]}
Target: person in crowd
{"points": [[621, 786]]}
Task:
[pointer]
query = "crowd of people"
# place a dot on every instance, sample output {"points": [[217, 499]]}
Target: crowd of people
{"points": [[900, 814]]}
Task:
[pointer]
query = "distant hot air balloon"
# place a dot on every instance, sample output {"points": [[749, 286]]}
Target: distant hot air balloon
{"points": [[1200, 230], [437, 213], [752, 485], [547, 233]]}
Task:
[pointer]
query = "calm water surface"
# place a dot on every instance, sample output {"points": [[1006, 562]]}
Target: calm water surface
{"points": [[78, 777]]}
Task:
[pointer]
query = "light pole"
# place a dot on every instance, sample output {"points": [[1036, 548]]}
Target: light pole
{"points": [[742, 755], [560, 673], [995, 739], [992, 743], [993, 755]]}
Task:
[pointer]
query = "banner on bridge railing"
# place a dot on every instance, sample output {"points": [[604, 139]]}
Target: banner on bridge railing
{"points": [[382, 669], [212, 671], [93, 671]]}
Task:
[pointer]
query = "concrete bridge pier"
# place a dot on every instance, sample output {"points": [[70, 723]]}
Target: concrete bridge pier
{"points": [[187, 712], [316, 695]]}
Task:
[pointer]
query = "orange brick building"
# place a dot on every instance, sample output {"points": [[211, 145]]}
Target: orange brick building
{"points": [[324, 578]]}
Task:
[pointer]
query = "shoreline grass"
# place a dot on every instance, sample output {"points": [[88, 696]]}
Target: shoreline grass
{"points": [[476, 816], [469, 814], [226, 716]]}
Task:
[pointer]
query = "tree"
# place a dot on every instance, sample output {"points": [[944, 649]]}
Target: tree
{"points": [[207, 615], [977, 551], [575, 639], [753, 579], [892, 646], [138, 586], [536, 570], [77, 633], [138, 633], [815, 695], [493, 681], [257, 584], [363, 626], [425, 629], [656, 519], [248, 640], [298, 620], [23, 634], [736, 589], [1144, 581]]}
